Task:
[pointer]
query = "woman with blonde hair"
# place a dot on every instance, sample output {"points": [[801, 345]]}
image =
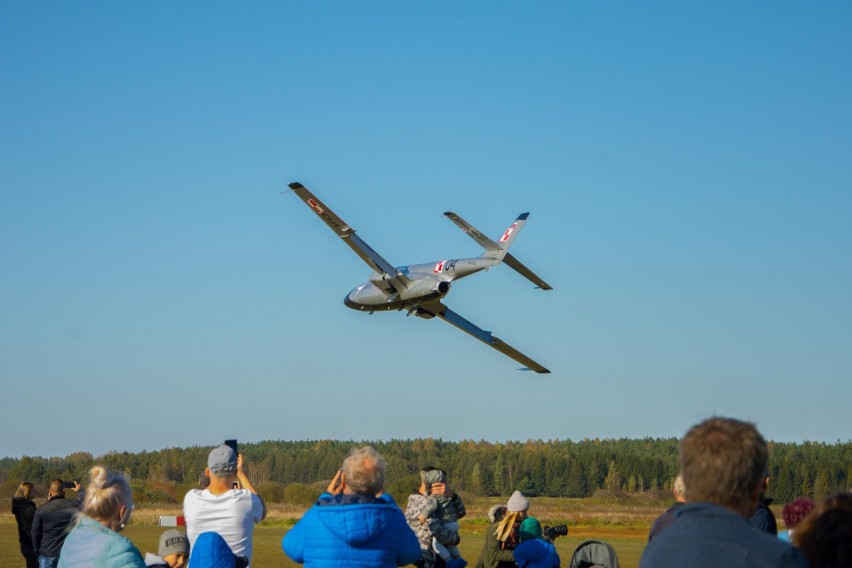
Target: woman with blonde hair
{"points": [[94, 538], [502, 535], [24, 510]]}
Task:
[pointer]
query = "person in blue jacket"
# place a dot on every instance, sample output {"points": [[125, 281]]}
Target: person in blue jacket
{"points": [[354, 523], [534, 551]]}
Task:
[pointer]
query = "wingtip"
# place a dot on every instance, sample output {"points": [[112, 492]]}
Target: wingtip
{"points": [[296, 185], [541, 371], [523, 216], [448, 213]]}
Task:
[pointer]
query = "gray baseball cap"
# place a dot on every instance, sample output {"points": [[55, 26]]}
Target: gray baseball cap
{"points": [[222, 460]]}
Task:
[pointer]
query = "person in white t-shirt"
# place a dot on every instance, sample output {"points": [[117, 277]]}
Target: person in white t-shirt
{"points": [[230, 512]]}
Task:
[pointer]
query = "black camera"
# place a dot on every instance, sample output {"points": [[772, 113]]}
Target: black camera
{"points": [[69, 484], [550, 533]]}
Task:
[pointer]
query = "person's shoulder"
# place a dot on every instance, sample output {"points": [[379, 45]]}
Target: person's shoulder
{"points": [[197, 495], [387, 498], [122, 552], [416, 498], [782, 554]]}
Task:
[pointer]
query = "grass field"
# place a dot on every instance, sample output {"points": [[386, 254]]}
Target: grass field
{"points": [[622, 523]]}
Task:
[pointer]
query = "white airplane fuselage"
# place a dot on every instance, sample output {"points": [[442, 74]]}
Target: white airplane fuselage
{"points": [[429, 281]]}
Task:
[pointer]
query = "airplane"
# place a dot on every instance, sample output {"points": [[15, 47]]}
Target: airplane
{"points": [[419, 288]]}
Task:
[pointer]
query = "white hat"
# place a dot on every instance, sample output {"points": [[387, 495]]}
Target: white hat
{"points": [[517, 503]]}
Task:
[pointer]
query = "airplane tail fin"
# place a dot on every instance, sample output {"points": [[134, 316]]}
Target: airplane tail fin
{"points": [[499, 250]]}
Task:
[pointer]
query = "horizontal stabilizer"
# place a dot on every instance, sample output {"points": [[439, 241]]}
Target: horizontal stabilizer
{"points": [[474, 233], [516, 265]]}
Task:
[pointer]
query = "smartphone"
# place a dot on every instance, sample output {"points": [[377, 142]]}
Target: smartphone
{"points": [[233, 445], [69, 485]]}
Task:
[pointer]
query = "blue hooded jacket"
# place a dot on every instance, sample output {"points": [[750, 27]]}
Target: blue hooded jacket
{"points": [[536, 553], [340, 531], [211, 551]]}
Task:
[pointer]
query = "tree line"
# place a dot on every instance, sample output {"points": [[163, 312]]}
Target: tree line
{"points": [[297, 471]]}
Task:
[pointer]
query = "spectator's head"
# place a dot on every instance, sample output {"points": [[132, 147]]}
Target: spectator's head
{"points": [[530, 528], [364, 471], [222, 462], [825, 535], [516, 512], [57, 488], [26, 490], [795, 511], [430, 475], [722, 461], [174, 548], [679, 489], [518, 504], [108, 498]]}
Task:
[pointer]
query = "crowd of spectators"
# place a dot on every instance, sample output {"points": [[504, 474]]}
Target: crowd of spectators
{"points": [[721, 517]]}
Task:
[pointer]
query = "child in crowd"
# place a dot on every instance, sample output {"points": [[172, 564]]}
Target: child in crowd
{"points": [[534, 551], [443, 509], [173, 553]]}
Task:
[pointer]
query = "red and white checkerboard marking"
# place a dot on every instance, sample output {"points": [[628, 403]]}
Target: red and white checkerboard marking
{"points": [[508, 232]]}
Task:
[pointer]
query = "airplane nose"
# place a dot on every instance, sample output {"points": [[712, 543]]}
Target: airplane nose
{"points": [[349, 303]]}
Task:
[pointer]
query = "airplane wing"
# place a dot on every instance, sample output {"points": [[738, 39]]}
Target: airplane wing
{"points": [[347, 233], [439, 309]]}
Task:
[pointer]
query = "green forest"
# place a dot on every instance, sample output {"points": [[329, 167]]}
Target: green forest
{"points": [[296, 472]]}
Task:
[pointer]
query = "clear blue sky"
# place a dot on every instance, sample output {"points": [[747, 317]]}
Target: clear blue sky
{"points": [[687, 166]]}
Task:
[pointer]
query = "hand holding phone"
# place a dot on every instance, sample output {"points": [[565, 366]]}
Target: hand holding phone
{"points": [[336, 485]]}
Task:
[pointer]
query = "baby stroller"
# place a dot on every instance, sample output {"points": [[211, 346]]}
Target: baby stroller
{"points": [[594, 554]]}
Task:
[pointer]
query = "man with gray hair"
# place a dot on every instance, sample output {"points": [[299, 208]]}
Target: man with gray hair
{"points": [[224, 508], [667, 518], [722, 461], [354, 523]]}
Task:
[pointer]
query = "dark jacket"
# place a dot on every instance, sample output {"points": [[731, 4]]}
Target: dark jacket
{"points": [[24, 511], [50, 525], [496, 554], [338, 531], [763, 519], [710, 536], [664, 520]]}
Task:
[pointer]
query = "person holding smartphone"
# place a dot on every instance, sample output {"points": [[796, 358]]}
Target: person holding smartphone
{"points": [[221, 508], [354, 523], [51, 521]]}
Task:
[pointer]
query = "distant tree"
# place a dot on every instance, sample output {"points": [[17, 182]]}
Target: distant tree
{"points": [[613, 478]]}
